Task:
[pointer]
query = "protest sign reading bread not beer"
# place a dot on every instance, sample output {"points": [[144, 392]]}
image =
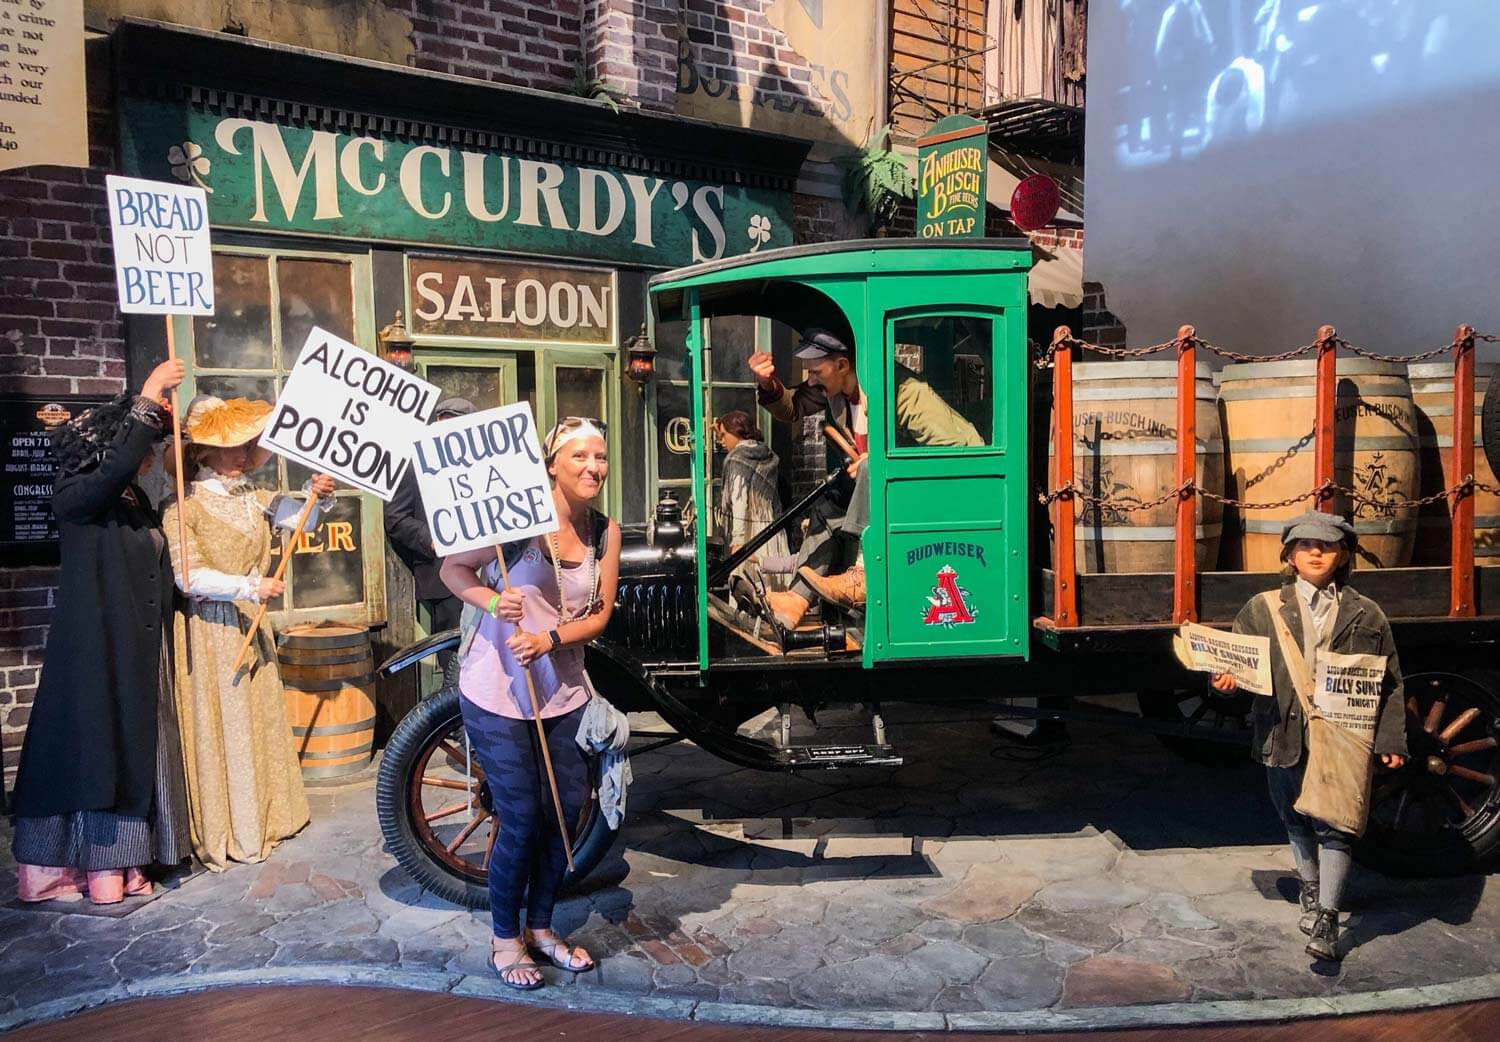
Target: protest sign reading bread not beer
{"points": [[164, 262], [483, 481], [347, 413]]}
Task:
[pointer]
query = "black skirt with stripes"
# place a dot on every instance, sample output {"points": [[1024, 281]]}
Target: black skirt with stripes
{"points": [[94, 840]]}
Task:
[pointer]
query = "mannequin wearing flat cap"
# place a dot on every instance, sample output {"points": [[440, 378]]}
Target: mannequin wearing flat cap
{"points": [[244, 785], [832, 388], [1326, 616], [407, 533]]}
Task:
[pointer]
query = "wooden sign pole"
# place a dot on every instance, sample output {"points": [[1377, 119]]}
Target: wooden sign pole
{"points": [[541, 732], [287, 546], [178, 420]]}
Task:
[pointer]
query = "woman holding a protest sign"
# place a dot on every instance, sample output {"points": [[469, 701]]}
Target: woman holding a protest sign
{"points": [[1337, 708], [560, 594], [244, 786], [100, 790]]}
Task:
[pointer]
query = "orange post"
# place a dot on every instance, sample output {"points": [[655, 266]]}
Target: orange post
{"points": [[1065, 565], [1185, 556], [1461, 595], [1323, 425]]}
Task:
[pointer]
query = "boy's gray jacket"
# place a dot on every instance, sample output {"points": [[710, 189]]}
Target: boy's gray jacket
{"points": [[1359, 628]]}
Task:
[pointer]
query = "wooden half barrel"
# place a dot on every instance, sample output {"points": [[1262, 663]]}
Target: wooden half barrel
{"points": [[1432, 391], [1125, 450], [1269, 410], [328, 671]]}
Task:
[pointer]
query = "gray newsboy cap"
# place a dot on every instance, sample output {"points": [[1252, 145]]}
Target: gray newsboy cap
{"points": [[1329, 528], [453, 407], [820, 343]]}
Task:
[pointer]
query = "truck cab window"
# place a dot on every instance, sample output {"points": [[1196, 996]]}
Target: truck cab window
{"points": [[942, 382]]}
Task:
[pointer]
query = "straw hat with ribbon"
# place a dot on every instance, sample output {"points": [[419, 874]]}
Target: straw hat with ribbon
{"points": [[214, 423]]}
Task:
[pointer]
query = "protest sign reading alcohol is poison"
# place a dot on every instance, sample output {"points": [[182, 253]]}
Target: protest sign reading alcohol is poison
{"points": [[347, 413], [1207, 650], [483, 480], [163, 258]]}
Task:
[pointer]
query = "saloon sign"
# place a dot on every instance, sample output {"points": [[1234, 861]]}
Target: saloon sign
{"points": [[269, 176], [509, 301]]}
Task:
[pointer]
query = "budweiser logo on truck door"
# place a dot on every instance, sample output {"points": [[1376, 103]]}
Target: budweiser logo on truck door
{"points": [[948, 604]]}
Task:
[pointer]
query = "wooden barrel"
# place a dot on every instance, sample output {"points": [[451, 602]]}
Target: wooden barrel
{"points": [[1125, 450], [1269, 410], [1432, 391], [328, 671]]}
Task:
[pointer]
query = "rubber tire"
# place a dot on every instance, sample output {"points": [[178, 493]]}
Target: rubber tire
{"points": [[433, 715], [1460, 852], [1489, 425], [1164, 705]]}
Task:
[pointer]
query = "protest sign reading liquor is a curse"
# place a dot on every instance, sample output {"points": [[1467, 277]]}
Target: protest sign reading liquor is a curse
{"points": [[164, 262], [347, 413], [483, 480]]}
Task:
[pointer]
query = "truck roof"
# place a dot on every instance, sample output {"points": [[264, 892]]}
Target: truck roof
{"points": [[855, 256]]}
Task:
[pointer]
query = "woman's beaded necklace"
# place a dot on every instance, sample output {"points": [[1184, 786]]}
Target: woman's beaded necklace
{"points": [[592, 561]]}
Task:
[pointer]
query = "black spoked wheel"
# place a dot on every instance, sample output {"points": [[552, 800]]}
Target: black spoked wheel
{"points": [[436, 813], [1205, 726], [1440, 814]]}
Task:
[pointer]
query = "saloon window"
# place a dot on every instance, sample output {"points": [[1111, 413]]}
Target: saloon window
{"points": [[265, 304], [941, 382]]}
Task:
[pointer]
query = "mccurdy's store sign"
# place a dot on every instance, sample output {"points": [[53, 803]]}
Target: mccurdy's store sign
{"points": [[268, 176]]}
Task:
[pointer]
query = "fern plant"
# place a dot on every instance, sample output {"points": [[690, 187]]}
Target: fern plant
{"points": [[876, 180], [594, 89]]}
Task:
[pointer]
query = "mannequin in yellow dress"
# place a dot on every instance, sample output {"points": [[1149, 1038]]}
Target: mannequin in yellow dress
{"points": [[244, 786]]}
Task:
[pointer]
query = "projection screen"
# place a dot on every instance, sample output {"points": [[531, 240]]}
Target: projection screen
{"points": [[1258, 168]]}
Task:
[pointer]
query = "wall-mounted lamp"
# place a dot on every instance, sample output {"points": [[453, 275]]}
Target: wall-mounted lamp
{"points": [[396, 343], [640, 353]]}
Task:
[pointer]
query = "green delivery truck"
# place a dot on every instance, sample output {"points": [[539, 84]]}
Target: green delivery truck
{"points": [[962, 599]]}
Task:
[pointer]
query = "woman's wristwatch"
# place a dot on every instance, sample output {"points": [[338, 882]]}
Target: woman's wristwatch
{"points": [[555, 639]]}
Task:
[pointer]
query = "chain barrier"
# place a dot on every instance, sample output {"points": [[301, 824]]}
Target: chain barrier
{"points": [[1328, 487], [1046, 355]]}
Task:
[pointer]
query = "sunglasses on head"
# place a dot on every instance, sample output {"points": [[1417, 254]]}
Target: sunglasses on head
{"points": [[572, 423]]}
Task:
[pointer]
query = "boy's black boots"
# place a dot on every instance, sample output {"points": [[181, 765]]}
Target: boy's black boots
{"points": [[1323, 943], [1308, 899]]}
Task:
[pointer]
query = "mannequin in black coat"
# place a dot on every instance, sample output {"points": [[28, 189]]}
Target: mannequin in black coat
{"points": [[407, 532], [91, 746]]}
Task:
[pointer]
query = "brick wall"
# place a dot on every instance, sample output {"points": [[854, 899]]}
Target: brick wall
{"points": [[632, 48], [1100, 326], [734, 47], [60, 333], [530, 43]]}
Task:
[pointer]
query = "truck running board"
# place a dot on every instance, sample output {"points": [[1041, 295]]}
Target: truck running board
{"points": [[832, 757]]}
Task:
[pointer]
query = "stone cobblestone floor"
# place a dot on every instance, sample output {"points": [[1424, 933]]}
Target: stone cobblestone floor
{"points": [[978, 877]]}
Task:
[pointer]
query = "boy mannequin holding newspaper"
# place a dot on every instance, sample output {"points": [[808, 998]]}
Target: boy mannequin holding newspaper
{"points": [[1319, 615]]}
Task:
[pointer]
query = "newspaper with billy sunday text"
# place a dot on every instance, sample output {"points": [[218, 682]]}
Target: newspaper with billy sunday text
{"points": [[1347, 690], [1204, 649]]}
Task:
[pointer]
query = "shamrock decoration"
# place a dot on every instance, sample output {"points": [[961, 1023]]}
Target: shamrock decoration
{"points": [[189, 164], [759, 231]]}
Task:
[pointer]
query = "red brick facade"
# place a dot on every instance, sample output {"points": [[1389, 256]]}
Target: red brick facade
{"points": [[61, 331]]}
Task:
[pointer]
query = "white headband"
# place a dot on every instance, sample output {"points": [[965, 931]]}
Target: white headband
{"points": [[583, 430]]}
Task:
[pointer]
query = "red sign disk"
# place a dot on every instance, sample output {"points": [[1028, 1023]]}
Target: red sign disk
{"points": [[1034, 203]]}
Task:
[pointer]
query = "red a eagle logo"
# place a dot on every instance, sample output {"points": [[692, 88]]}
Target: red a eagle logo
{"points": [[948, 604]]}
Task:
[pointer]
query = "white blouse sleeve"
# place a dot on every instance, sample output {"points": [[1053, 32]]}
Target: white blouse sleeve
{"points": [[211, 585]]}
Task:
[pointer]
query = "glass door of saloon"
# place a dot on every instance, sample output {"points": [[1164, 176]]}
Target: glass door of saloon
{"points": [[583, 383], [486, 379]]}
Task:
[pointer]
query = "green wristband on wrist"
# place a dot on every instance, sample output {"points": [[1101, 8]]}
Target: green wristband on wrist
{"points": [[494, 603]]}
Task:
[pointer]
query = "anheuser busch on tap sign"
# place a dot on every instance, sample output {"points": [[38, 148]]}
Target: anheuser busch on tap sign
{"points": [[483, 480], [347, 413]]}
